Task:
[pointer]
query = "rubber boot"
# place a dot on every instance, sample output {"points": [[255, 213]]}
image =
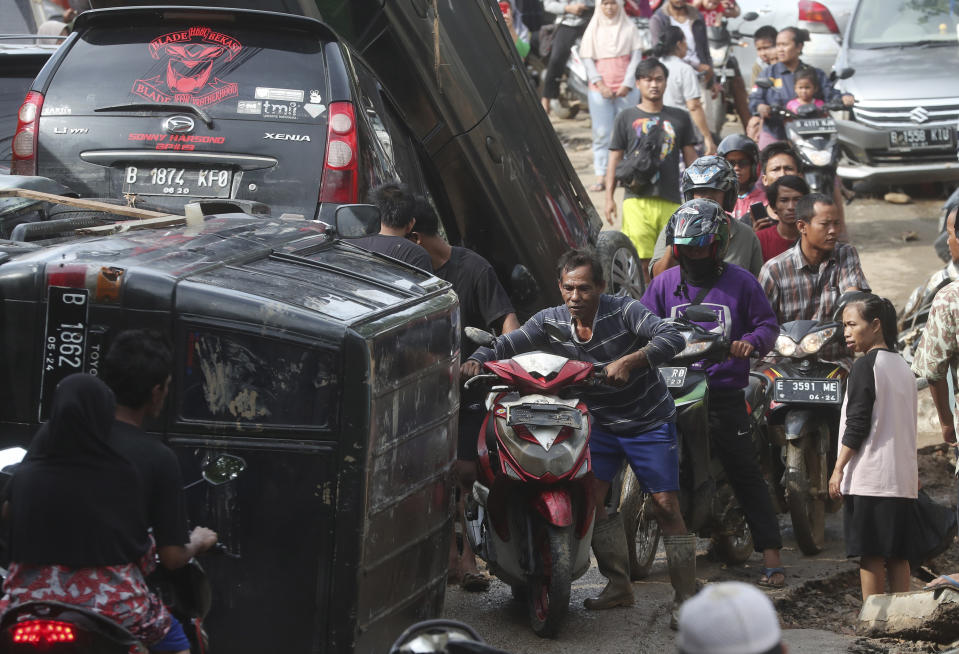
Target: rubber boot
{"points": [[681, 561], [612, 557]]}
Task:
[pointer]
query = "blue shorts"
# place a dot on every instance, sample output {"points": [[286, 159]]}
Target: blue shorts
{"points": [[653, 455], [175, 639]]}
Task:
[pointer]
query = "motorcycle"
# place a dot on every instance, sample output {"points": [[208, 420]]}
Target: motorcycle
{"points": [[801, 407], [707, 501], [813, 134], [38, 626], [530, 515], [722, 41], [914, 314]]}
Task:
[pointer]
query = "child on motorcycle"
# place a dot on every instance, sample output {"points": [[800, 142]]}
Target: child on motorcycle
{"points": [[805, 86], [877, 471]]}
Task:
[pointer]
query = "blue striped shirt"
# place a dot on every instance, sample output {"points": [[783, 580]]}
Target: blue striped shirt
{"points": [[622, 326]]}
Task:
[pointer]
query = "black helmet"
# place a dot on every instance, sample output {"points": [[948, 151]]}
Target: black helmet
{"points": [[739, 143], [713, 172], [699, 222]]}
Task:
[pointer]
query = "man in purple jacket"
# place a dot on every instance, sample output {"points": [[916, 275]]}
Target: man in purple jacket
{"points": [[699, 234]]}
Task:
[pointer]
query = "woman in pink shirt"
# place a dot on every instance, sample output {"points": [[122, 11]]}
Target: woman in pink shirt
{"points": [[877, 472], [611, 49]]}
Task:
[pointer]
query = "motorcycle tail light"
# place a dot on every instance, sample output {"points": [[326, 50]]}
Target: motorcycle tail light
{"points": [[815, 12], [24, 147], [341, 166], [43, 632]]}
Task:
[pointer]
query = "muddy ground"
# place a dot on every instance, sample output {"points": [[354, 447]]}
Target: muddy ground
{"points": [[819, 606]]}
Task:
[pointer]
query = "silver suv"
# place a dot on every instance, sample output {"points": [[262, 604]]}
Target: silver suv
{"points": [[903, 125]]}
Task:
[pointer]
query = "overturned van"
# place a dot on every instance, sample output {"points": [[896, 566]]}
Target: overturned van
{"points": [[331, 371]]}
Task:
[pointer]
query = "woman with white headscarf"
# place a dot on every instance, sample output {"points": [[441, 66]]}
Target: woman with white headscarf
{"points": [[611, 49]]}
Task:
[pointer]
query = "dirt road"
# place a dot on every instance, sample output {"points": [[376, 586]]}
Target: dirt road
{"points": [[820, 603]]}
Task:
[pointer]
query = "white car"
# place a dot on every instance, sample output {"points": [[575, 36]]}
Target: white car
{"points": [[825, 21]]}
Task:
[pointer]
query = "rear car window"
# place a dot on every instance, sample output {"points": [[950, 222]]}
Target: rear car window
{"points": [[226, 70]]}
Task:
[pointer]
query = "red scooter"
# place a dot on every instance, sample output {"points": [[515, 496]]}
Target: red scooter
{"points": [[530, 515]]}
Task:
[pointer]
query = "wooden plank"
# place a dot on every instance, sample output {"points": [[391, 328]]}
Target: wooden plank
{"points": [[81, 203], [160, 222]]}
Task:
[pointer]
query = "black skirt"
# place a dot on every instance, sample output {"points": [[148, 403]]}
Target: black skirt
{"points": [[889, 527]]}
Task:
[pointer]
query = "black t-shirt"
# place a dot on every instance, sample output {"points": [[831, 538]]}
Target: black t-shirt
{"points": [[398, 248], [630, 123], [483, 300], [160, 478]]}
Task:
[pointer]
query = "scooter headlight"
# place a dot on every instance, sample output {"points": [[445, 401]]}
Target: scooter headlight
{"points": [[694, 348], [816, 157], [785, 346], [812, 343]]}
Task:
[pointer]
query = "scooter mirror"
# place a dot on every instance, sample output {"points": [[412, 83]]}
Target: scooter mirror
{"points": [[479, 336], [556, 332], [764, 83], [222, 469], [749, 16], [846, 73], [699, 314]]}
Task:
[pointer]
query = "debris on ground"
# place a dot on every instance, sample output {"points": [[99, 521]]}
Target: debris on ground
{"points": [[897, 198], [917, 615]]}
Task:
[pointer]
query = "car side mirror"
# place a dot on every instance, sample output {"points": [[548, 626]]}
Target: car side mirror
{"points": [[750, 16], [356, 220], [764, 83], [222, 469], [523, 286]]}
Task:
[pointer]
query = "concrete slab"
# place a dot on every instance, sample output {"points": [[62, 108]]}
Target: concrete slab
{"points": [[917, 615]]}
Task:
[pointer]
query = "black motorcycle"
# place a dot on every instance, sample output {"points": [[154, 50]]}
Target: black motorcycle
{"points": [[803, 399], [707, 501]]}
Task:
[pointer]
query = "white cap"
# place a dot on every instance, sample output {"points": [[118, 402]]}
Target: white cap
{"points": [[728, 618]]}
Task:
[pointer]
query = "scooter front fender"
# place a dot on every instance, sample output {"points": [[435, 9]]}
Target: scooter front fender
{"points": [[795, 421], [555, 505]]}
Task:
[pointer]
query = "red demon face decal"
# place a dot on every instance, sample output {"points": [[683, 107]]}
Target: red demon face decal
{"points": [[190, 56]]}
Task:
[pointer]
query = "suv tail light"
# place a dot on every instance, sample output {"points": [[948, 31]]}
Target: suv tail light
{"points": [[814, 12], [24, 159], [341, 167], [43, 632]]}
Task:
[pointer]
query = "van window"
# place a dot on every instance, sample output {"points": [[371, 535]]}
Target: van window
{"points": [[238, 378], [228, 71]]}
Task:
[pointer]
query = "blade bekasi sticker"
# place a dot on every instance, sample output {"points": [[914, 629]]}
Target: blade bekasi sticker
{"points": [[190, 55]]}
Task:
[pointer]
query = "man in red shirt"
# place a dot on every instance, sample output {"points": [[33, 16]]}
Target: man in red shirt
{"points": [[783, 195]]}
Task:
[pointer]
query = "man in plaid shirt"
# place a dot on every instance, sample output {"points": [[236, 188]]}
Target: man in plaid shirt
{"points": [[805, 282]]}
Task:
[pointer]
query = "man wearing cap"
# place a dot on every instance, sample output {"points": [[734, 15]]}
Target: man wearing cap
{"points": [[729, 618]]}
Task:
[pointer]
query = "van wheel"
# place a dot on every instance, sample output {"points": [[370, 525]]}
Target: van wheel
{"points": [[621, 266]]}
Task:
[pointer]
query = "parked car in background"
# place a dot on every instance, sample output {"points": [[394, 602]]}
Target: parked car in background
{"points": [[903, 125], [825, 20]]}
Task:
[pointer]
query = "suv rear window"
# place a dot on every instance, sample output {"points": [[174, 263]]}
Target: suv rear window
{"points": [[226, 70]]}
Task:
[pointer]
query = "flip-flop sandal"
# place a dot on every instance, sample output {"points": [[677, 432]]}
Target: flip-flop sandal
{"points": [[475, 582], [950, 583], [766, 581], [597, 187]]}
